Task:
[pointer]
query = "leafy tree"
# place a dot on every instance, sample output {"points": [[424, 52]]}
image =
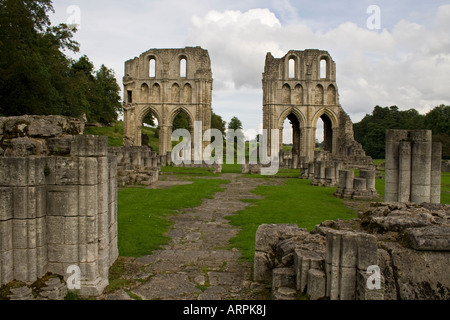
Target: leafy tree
{"points": [[371, 130], [29, 56], [218, 123], [439, 120], [235, 124], [35, 75], [181, 121], [104, 97]]}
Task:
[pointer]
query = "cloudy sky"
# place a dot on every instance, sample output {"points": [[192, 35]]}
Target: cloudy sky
{"points": [[402, 58]]}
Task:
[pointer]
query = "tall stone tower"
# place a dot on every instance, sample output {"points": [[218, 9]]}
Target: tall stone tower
{"points": [[166, 82], [301, 86]]}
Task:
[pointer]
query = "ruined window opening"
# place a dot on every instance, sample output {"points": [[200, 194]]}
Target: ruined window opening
{"points": [[152, 68], [183, 67], [291, 68], [291, 134], [327, 128], [323, 69], [129, 96]]}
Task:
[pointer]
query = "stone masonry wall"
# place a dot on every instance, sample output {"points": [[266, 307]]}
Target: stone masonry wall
{"points": [[413, 166], [58, 208], [405, 247], [136, 165]]}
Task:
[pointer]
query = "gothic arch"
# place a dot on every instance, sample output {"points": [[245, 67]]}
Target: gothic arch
{"points": [[175, 93], [156, 93], [146, 110], [144, 92], [286, 94], [329, 113], [331, 95], [291, 110], [298, 95], [187, 93], [329, 124], [167, 92], [178, 110], [318, 94]]}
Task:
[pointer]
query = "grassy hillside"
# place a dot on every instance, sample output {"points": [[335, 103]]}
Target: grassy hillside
{"points": [[115, 134]]}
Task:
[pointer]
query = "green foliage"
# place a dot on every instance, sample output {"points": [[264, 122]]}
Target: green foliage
{"points": [[181, 121], [445, 187], [218, 123], [235, 124], [35, 75], [371, 130], [114, 132]]}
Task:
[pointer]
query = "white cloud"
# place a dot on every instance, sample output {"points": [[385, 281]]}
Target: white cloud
{"points": [[237, 43], [408, 66]]}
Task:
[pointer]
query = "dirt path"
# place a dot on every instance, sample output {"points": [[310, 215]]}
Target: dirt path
{"points": [[195, 264]]}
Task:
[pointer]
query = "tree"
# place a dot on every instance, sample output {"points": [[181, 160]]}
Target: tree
{"points": [[181, 121], [235, 124], [30, 57], [218, 123], [104, 98], [236, 137], [439, 120], [371, 130], [35, 75]]}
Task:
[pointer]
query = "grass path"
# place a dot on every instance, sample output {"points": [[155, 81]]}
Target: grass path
{"points": [[296, 201], [143, 213]]}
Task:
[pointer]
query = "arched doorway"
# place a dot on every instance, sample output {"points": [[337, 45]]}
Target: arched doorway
{"points": [[324, 133], [150, 130], [291, 134]]}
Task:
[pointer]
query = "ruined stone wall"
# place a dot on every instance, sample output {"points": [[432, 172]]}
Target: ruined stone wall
{"points": [[137, 165], [156, 83], [302, 87], [413, 166], [406, 245], [58, 202]]}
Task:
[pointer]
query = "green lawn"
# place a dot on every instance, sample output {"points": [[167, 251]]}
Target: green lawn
{"points": [[445, 189], [295, 202], [143, 213]]}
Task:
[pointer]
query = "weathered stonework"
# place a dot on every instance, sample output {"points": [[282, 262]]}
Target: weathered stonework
{"points": [[295, 88], [137, 165], [57, 208], [155, 82], [407, 244], [413, 167]]}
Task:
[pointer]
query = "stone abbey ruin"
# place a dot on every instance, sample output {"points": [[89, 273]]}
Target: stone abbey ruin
{"points": [[165, 82], [58, 187]]}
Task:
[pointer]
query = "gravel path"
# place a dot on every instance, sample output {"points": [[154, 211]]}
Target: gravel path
{"points": [[195, 264]]}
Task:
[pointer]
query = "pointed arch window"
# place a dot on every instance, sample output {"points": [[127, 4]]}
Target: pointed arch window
{"points": [[323, 69], [152, 68], [183, 68], [291, 68]]}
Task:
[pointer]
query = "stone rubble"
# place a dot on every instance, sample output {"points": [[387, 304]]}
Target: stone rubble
{"points": [[408, 242]]}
